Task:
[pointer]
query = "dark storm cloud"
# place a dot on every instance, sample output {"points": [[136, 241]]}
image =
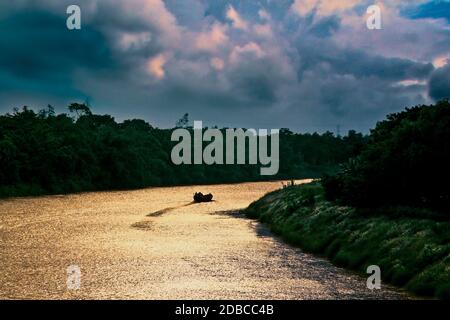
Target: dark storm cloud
{"points": [[325, 27], [358, 62], [227, 62], [387, 68], [38, 56], [35, 45], [439, 87]]}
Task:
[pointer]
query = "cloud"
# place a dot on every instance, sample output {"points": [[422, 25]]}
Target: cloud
{"points": [[263, 30], [236, 19], [212, 39], [156, 66], [325, 27], [322, 7], [439, 86], [309, 65], [264, 15], [304, 7], [250, 49], [130, 41], [217, 63], [39, 59], [156, 14], [441, 61]]}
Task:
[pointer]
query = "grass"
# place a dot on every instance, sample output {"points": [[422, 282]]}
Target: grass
{"points": [[411, 246]]}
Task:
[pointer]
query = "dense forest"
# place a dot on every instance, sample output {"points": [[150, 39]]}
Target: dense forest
{"points": [[47, 153], [405, 162]]}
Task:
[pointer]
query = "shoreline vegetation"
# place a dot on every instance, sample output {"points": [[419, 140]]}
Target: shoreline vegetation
{"points": [[410, 245], [44, 153], [388, 206]]}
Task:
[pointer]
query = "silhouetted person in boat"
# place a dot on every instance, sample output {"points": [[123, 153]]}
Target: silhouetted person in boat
{"points": [[200, 197]]}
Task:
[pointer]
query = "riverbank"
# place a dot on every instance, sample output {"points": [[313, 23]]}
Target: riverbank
{"points": [[410, 246]]}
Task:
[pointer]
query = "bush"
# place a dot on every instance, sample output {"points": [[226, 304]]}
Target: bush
{"points": [[405, 162]]}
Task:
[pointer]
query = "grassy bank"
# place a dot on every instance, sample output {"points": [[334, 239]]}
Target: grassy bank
{"points": [[411, 246]]}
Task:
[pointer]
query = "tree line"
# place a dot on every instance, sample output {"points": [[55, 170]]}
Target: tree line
{"points": [[47, 153], [406, 161]]}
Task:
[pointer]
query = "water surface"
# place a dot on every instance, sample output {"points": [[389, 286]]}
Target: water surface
{"points": [[155, 244]]}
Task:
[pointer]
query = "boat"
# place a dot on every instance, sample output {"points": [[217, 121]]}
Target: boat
{"points": [[200, 197]]}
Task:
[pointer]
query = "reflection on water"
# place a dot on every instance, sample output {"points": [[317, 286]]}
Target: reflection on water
{"points": [[156, 244]]}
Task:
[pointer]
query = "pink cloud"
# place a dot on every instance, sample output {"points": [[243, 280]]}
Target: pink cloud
{"points": [[322, 7], [237, 21], [155, 66], [212, 39], [263, 30]]}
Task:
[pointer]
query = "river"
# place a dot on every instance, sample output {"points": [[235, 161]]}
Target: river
{"points": [[155, 244]]}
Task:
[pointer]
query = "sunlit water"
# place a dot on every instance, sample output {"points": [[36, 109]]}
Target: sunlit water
{"points": [[155, 244]]}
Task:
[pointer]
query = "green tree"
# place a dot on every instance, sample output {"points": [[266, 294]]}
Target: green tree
{"points": [[405, 162]]}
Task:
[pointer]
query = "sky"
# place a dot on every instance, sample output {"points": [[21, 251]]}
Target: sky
{"points": [[307, 65]]}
